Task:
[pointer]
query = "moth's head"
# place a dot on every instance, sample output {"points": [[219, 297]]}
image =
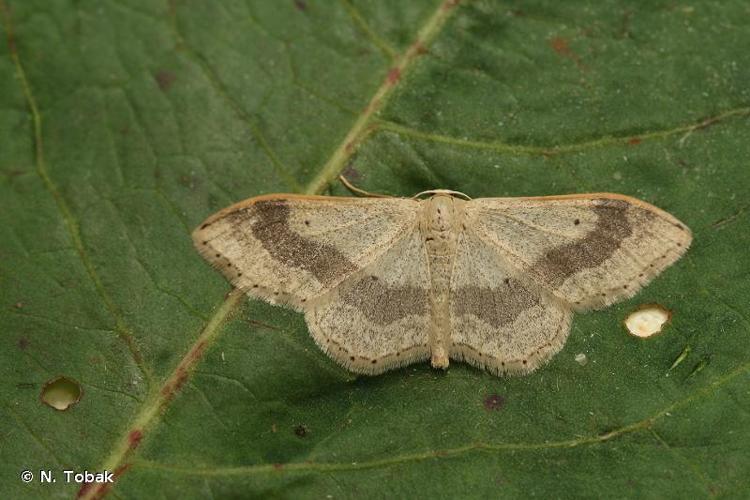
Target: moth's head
{"points": [[441, 192]]}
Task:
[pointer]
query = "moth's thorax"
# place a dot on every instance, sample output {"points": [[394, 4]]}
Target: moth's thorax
{"points": [[440, 223]]}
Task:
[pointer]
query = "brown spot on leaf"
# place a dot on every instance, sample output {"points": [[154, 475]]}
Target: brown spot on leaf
{"points": [[394, 75], [18, 305], [560, 45], [494, 402], [164, 79], [278, 466], [197, 352], [134, 438], [449, 4], [84, 489], [180, 379], [101, 489], [23, 343], [174, 384], [625, 25], [634, 141], [121, 470], [9, 36], [95, 359], [300, 5], [301, 430]]}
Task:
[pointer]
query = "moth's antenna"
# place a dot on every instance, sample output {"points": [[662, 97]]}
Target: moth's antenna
{"points": [[443, 191], [354, 189]]}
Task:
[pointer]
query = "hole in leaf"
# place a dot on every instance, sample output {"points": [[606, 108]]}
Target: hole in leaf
{"points": [[647, 320], [61, 393]]}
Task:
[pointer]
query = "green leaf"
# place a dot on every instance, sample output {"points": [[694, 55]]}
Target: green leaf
{"points": [[125, 123]]}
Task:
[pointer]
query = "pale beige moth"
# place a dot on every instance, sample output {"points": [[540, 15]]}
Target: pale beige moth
{"points": [[384, 282]]}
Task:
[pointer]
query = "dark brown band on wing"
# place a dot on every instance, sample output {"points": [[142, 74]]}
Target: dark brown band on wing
{"points": [[272, 229], [495, 306], [383, 304], [612, 226]]}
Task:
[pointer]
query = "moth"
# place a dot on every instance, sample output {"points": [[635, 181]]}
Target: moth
{"points": [[494, 282]]}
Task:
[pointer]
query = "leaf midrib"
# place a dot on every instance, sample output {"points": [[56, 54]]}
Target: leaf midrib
{"points": [[148, 413]]}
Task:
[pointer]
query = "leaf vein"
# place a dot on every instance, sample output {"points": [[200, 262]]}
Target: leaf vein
{"points": [[31, 432], [382, 45], [160, 397], [235, 106], [362, 125], [71, 224], [558, 149], [309, 466]]}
